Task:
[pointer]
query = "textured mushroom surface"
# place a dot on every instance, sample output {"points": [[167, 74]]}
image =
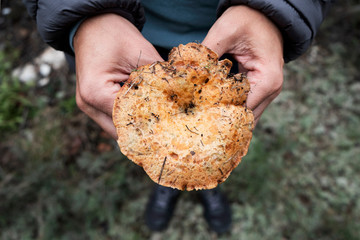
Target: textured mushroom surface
{"points": [[185, 120]]}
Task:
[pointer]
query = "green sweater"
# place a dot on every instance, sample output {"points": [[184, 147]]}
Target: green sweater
{"points": [[170, 23]]}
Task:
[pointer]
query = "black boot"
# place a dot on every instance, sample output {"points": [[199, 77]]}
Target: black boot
{"points": [[216, 210], [160, 207]]}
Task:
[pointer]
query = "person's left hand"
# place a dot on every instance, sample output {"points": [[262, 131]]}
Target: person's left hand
{"points": [[256, 44]]}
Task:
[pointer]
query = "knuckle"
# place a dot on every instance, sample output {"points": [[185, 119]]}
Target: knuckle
{"points": [[84, 99], [274, 84], [86, 95], [79, 102], [278, 83]]}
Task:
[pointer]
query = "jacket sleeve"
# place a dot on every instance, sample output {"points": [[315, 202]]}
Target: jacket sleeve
{"points": [[55, 18], [298, 20]]}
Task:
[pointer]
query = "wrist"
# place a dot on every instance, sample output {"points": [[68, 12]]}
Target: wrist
{"points": [[73, 32], [109, 27]]}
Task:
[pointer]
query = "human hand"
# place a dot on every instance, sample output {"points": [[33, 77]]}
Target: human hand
{"points": [[107, 48], [256, 44]]}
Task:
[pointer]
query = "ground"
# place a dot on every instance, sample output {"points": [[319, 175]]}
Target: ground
{"points": [[62, 177]]}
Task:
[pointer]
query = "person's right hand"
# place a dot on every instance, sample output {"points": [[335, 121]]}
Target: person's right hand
{"points": [[107, 48]]}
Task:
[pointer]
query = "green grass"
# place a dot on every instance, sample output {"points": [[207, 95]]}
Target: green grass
{"points": [[61, 177], [13, 103]]}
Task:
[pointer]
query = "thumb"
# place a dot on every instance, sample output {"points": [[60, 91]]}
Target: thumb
{"points": [[146, 54], [215, 43]]}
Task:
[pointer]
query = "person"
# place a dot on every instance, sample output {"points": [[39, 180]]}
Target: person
{"points": [[108, 39]]}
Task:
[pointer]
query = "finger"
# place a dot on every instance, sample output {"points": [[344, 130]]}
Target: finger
{"points": [[99, 91], [259, 109], [263, 90], [216, 39], [148, 55], [141, 54], [101, 118], [105, 122], [242, 69], [215, 44]]}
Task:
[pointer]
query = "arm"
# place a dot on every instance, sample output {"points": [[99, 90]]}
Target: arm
{"points": [[56, 18], [298, 21]]}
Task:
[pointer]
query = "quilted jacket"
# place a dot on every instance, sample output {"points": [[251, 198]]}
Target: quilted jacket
{"points": [[298, 20]]}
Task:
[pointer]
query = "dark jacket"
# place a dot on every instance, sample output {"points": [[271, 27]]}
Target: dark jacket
{"points": [[298, 20]]}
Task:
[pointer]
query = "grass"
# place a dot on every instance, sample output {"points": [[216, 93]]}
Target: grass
{"points": [[61, 177]]}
